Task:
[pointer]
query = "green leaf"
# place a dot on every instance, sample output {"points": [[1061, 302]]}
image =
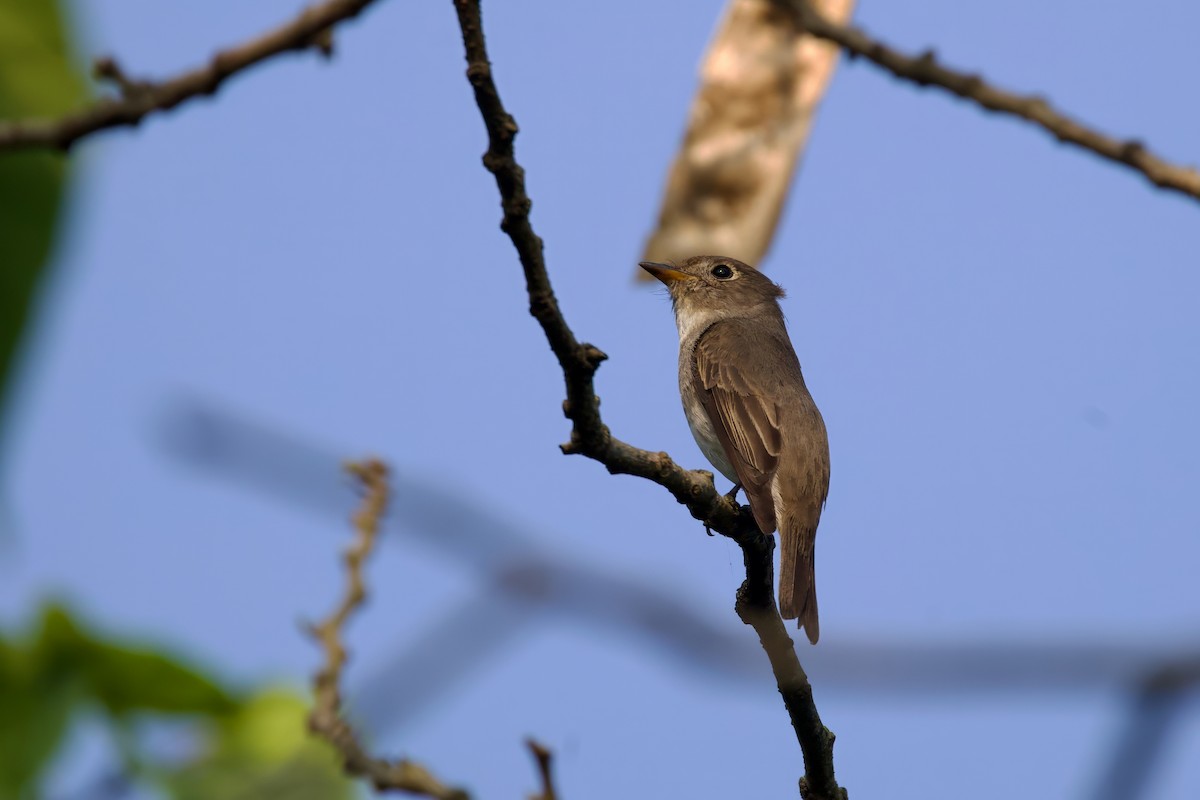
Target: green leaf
{"points": [[37, 78], [264, 750], [126, 680], [37, 712], [60, 669]]}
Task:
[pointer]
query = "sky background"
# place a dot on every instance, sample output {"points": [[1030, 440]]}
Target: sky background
{"points": [[1001, 334]]}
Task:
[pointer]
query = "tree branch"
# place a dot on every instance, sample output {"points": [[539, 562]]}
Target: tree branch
{"points": [[326, 719], [924, 70], [310, 29], [756, 607], [543, 758], [592, 438]]}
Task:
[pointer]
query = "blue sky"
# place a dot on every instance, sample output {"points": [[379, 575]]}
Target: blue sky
{"points": [[1001, 333]]}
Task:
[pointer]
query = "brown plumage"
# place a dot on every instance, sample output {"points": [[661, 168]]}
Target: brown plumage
{"points": [[751, 414]]}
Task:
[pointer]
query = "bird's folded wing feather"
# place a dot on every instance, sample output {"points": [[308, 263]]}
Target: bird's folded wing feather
{"points": [[746, 423]]}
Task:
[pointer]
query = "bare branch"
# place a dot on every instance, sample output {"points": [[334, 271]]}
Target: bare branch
{"points": [[310, 29], [591, 437], [326, 719], [579, 361], [543, 757], [924, 70], [756, 607]]}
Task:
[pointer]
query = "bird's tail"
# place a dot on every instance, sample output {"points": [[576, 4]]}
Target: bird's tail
{"points": [[797, 577]]}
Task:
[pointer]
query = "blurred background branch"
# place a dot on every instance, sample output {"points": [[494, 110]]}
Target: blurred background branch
{"points": [[1156, 707], [524, 587]]}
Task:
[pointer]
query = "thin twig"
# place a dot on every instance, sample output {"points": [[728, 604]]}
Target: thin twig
{"points": [[543, 757], [924, 70], [591, 437], [326, 718], [310, 29]]}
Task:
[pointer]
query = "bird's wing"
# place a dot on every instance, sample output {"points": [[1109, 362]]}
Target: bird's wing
{"points": [[746, 422]]}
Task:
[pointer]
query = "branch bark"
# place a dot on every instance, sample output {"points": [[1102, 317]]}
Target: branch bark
{"points": [[592, 438], [924, 70], [543, 758], [326, 719], [310, 29]]}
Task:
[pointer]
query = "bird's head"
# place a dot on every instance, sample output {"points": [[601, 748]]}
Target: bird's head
{"points": [[715, 284]]}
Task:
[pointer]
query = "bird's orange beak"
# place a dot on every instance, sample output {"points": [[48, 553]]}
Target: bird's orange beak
{"points": [[664, 273]]}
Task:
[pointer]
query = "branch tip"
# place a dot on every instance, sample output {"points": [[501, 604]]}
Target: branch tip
{"points": [[924, 70], [310, 29], [543, 758]]}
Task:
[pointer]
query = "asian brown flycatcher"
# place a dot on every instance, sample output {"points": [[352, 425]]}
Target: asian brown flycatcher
{"points": [[750, 412]]}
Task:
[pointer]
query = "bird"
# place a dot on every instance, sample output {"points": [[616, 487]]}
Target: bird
{"points": [[750, 411]]}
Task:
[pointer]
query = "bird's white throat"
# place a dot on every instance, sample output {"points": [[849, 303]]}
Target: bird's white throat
{"points": [[692, 321]]}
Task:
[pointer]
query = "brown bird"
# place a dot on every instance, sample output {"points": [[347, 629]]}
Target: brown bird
{"points": [[750, 412]]}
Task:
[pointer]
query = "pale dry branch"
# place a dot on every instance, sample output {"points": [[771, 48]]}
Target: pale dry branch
{"points": [[924, 70], [326, 718], [760, 86], [591, 437], [312, 28]]}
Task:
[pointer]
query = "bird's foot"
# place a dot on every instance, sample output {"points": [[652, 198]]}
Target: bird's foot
{"points": [[733, 493]]}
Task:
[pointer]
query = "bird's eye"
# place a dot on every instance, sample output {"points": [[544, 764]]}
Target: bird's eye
{"points": [[722, 271]]}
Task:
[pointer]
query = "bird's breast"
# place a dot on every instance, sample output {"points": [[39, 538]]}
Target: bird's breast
{"points": [[697, 417]]}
